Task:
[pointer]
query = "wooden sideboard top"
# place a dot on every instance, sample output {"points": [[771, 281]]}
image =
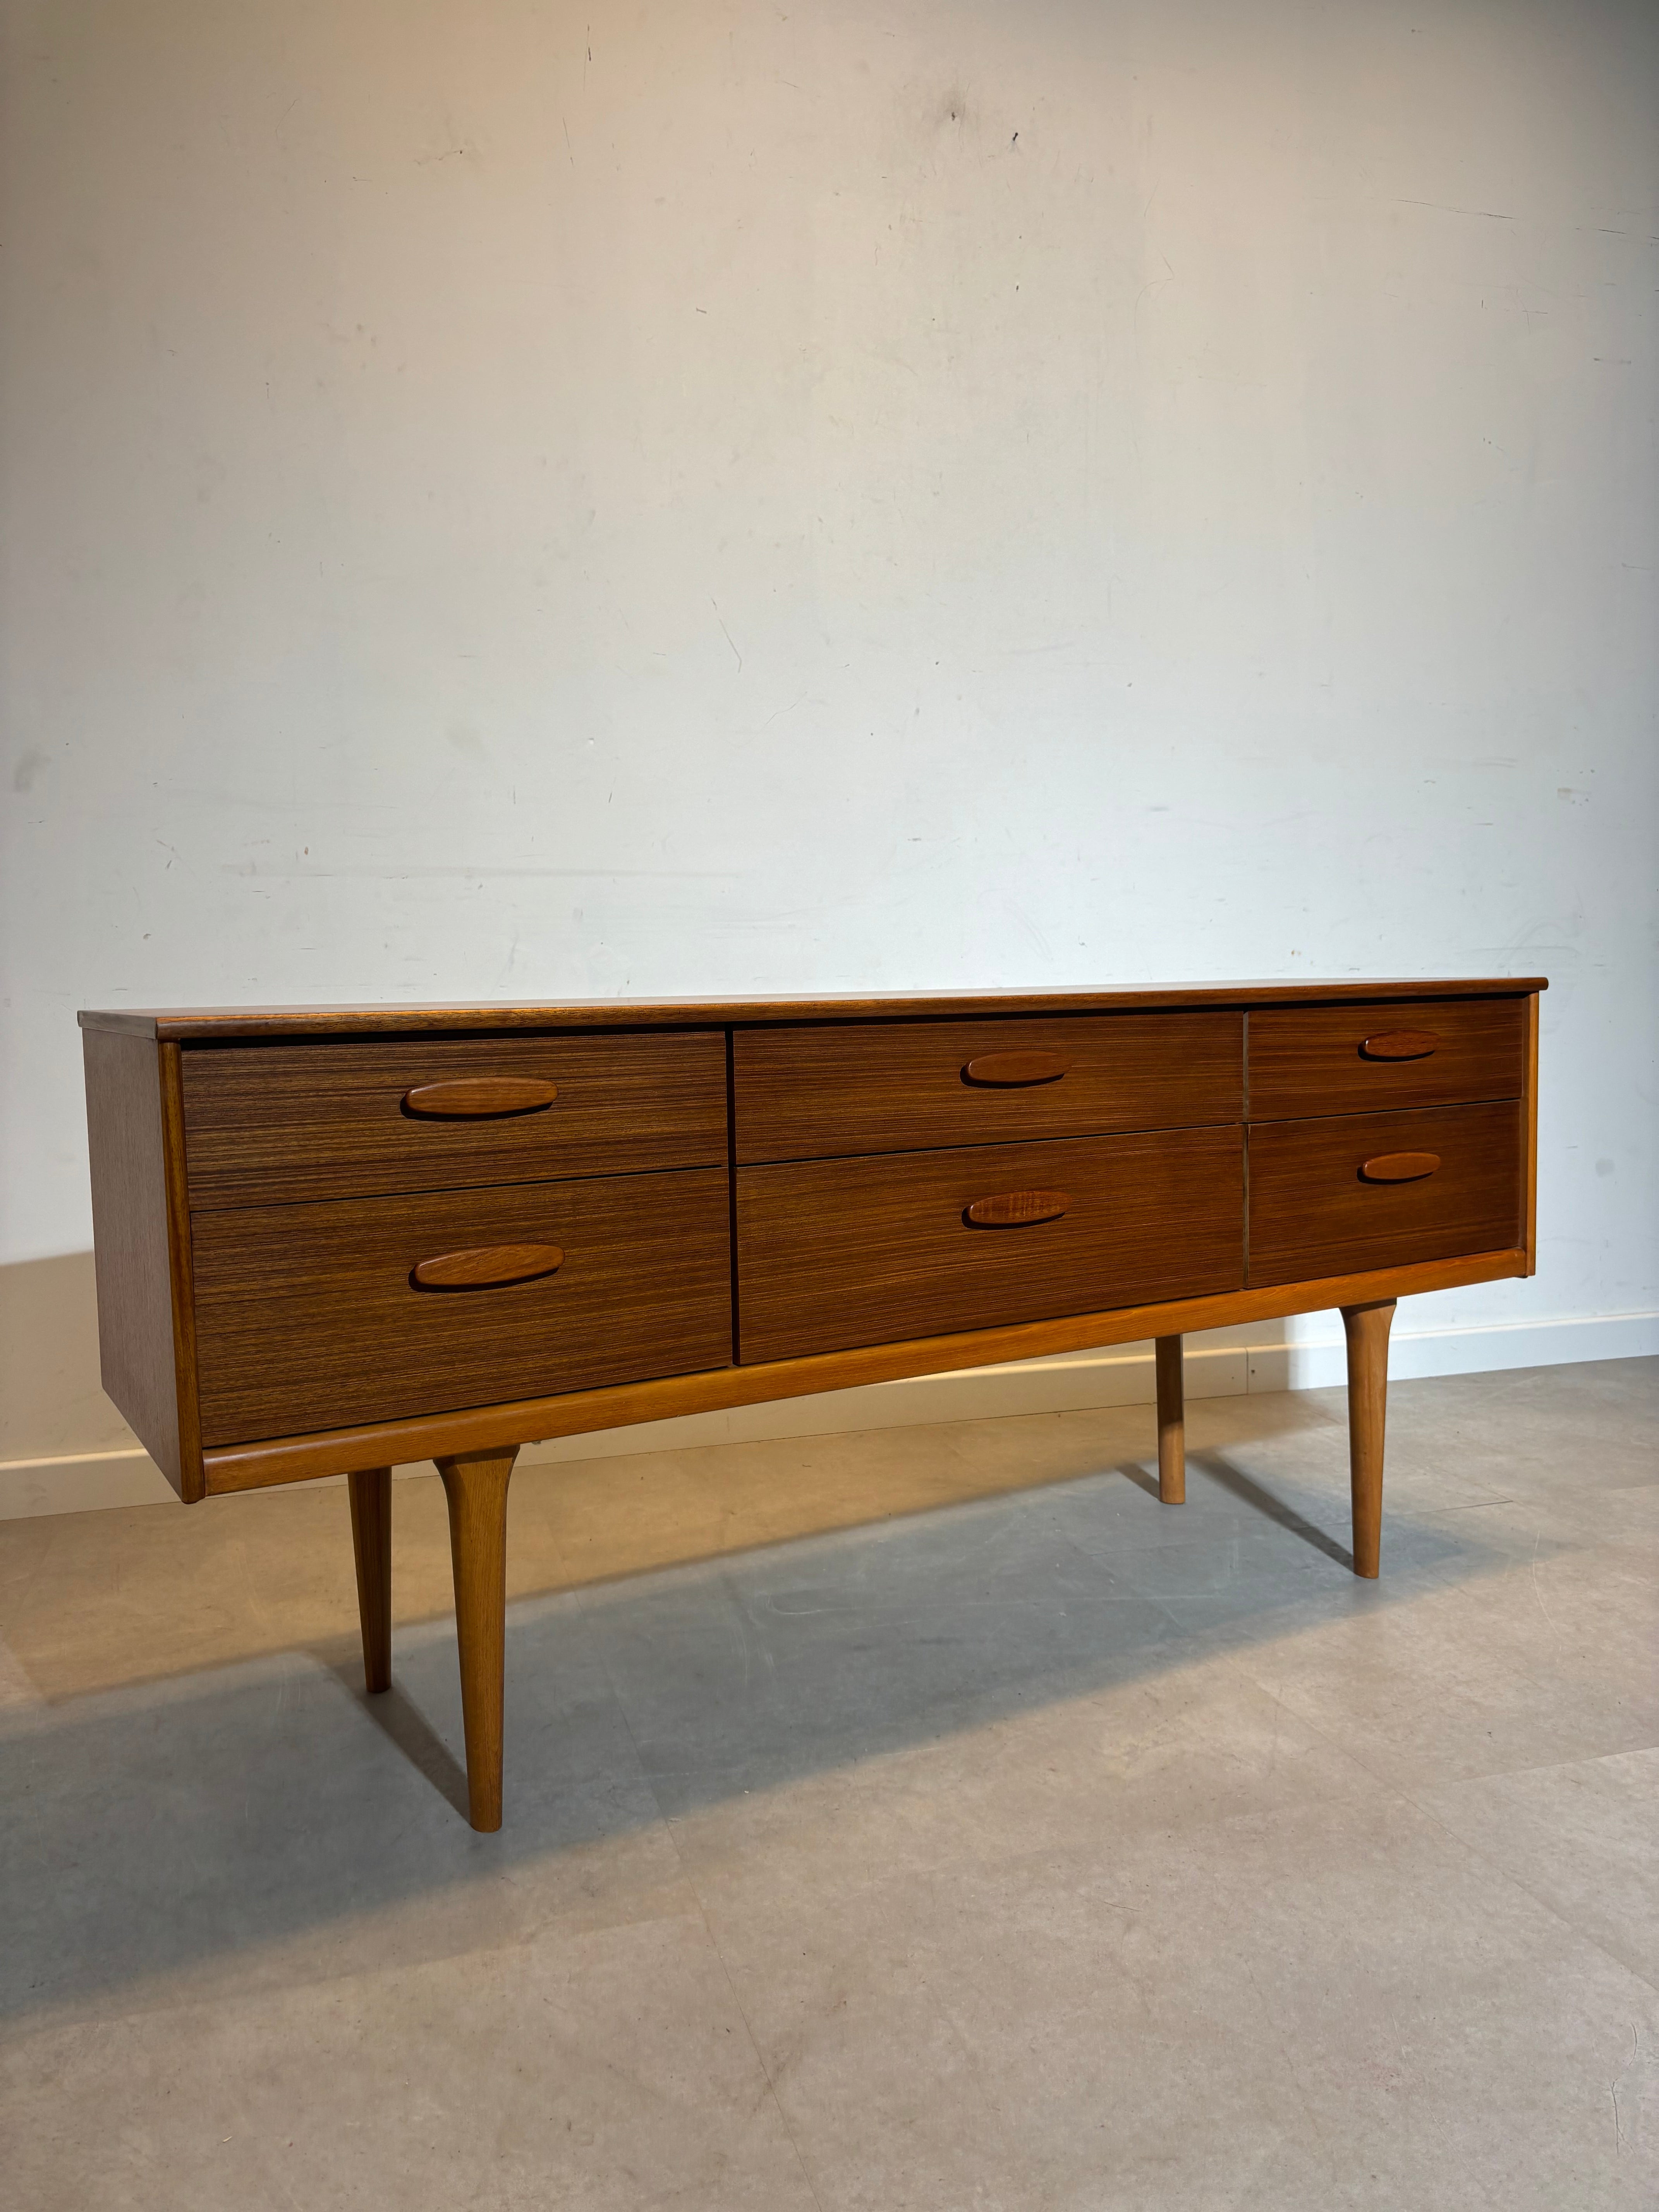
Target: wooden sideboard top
{"points": [[202, 1024]]}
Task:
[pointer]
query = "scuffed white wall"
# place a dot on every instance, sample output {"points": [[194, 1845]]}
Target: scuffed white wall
{"points": [[515, 499]]}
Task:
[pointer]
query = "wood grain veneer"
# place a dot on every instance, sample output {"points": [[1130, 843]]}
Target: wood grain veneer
{"points": [[1312, 1060], [370, 1489], [815, 1092], [580, 1413], [1171, 1385], [141, 1242], [475, 1487], [181, 1277], [268, 1124], [833, 1252], [306, 1317], [1315, 1210], [1529, 1140], [1366, 1328], [332, 1240]]}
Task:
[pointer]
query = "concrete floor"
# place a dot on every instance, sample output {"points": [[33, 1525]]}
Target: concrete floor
{"points": [[926, 1819]]}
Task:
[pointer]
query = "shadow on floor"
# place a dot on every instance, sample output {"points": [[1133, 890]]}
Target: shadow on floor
{"points": [[1262, 1501], [158, 1836]]}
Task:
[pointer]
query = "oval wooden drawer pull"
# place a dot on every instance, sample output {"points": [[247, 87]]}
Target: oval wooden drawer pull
{"points": [[1016, 1209], [469, 1097], [1007, 1069], [1399, 1044], [1400, 1167], [486, 1266]]}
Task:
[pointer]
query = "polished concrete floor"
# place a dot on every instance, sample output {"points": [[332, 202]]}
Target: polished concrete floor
{"points": [[926, 1819]]}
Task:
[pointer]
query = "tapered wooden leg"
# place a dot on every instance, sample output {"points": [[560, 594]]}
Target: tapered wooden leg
{"points": [[476, 1485], [371, 1540], [1171, 1422], [1367, 1329]]}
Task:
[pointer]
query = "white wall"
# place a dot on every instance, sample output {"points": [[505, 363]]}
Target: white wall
{"points": [[515, 499]]}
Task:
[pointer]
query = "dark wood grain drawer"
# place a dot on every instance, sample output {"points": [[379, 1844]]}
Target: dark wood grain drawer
{"points": [[836, 1253], [308, 1318], [266, 1123], [809, 1093], [1355, 1059], [1333, 1197]]}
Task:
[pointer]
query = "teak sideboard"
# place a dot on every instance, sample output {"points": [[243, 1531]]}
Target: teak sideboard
{"points": [[332, 1239]]}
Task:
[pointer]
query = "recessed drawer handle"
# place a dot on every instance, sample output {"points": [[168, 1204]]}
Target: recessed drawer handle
{"points": [[471, 1096], [485, 1266], [1400, 1167], [1399, 1044], [1016, 1209], [1007, 1069]]}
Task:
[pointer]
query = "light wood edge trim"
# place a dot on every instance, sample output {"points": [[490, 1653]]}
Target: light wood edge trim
{"points": [[173, 1023], [338, 1452], [193, 1475], [118, 1023], [1529, 1140]]}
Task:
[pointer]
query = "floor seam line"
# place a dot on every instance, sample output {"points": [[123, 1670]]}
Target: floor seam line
{"points": [[1516, 1881], [1406, 1794]]}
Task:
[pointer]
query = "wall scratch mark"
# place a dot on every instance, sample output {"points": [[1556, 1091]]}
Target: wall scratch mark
{"points": [[1488, 215], [726, 634]]}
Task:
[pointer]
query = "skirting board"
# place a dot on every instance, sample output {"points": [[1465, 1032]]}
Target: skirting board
{"points": [[84, 1482]]}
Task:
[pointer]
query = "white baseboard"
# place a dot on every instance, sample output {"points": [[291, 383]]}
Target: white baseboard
{"points": [[1484, 1348], [1122, 1376]]}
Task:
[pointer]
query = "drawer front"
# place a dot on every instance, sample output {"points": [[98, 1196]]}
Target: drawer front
{"points": [[1354, 1060], [1337, 1197], [265, 1124], [836, 1253], [308, 1316], [862, 1087]]}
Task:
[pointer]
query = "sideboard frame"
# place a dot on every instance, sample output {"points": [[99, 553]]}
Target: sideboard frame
{"points": [[146, 1311]]}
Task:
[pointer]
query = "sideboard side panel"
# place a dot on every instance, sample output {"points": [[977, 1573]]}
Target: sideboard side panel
{"points": [[140, 1233], [1529, 1162]]}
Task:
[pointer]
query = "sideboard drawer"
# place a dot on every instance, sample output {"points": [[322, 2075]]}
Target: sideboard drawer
{"points": [[836, 1253], [1355, 1059], [1338, 1196], [308, 1316], [859, 1087], [350, 1120]]}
